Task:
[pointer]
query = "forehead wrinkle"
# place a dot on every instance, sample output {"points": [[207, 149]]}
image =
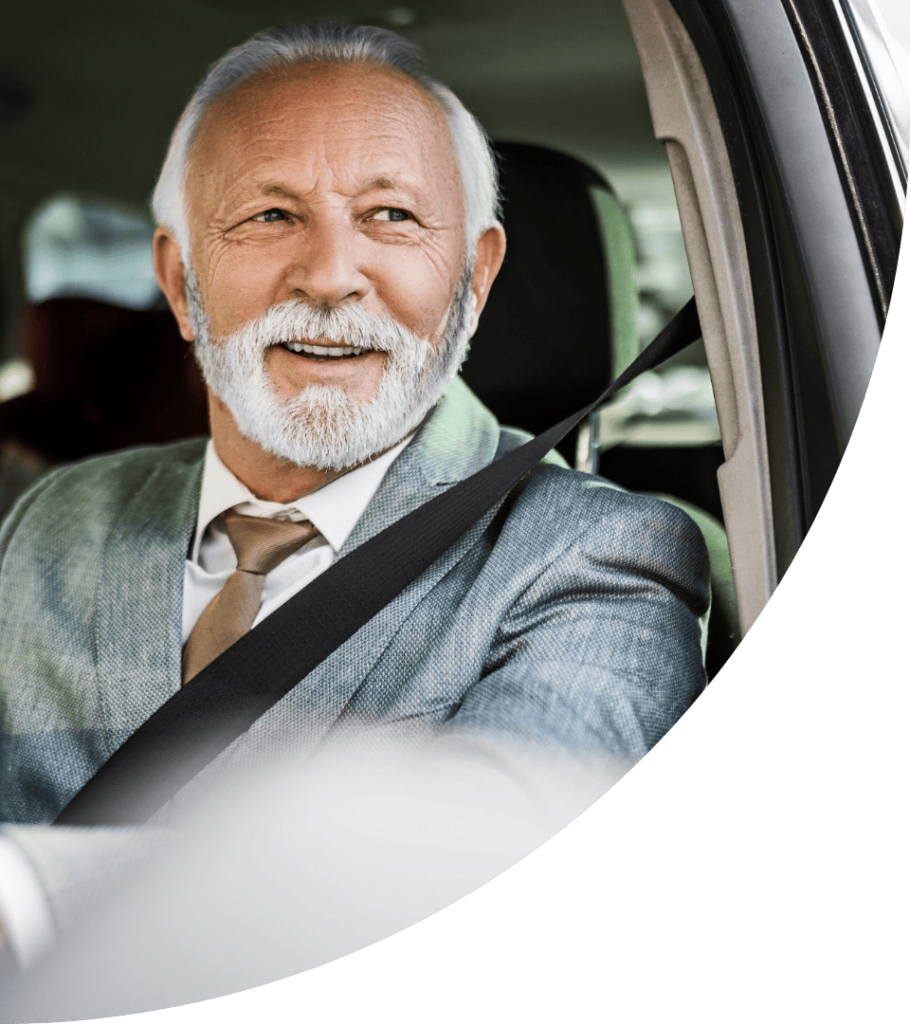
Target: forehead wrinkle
{"points": [[262, 119], [370, 147]]}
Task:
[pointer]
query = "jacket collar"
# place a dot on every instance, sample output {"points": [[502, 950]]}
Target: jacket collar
{"points": [[459, 437]]}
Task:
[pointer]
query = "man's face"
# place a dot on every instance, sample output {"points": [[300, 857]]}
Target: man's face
{"points": [[328, 185]]}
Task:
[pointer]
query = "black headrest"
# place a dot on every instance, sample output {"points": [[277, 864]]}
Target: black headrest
{"points": [[544, 344]]}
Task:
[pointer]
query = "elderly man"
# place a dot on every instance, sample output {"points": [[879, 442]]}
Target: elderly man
{"points": [[327, 240]]}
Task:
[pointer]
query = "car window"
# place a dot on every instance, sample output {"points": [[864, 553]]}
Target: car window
{"points": [[75, 246]]}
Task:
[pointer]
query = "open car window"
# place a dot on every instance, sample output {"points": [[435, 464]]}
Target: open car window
{"points": [[790, 250]]}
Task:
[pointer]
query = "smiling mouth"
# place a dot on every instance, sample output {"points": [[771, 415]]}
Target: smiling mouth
{"points": [[323, 353]]}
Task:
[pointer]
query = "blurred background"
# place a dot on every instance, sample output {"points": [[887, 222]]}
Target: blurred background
{"points": [[89, 94]]}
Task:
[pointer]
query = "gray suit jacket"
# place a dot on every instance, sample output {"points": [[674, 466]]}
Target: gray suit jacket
{"points": [[572, 617]]}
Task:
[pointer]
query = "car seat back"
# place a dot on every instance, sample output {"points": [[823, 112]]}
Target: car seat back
{"points": [[560, 324]]}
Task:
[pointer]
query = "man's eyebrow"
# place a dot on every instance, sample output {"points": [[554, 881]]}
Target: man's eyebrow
{"points": [[376, 185], [276, 188], [379, 184]]}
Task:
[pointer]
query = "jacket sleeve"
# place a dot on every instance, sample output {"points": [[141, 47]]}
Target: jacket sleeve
{"points": [[603, 652]]}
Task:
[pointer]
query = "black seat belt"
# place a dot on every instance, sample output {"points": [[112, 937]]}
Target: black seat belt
{"points": [[204, 717]]}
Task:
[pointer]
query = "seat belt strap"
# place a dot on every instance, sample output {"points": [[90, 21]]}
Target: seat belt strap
{"points": [[204, 717]]}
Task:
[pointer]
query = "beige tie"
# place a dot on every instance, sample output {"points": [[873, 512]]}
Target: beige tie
{"points": [[260, 545]]}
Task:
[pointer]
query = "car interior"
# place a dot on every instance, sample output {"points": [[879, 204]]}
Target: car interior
{"points": [[605, 128]]}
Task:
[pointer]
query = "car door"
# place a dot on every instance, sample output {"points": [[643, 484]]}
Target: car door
{"points": [[788, 159]]}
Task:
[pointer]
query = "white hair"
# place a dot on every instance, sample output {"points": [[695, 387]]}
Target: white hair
{"points": [[323, 426], [327, 43]]}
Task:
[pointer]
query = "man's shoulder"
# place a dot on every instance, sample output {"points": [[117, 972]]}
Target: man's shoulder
{"points": [[101, 487], [562, 510], [555, 486], [126, 469]]}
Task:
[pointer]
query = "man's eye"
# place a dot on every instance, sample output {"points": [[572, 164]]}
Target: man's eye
{"points": [[391, 213], [270, 216]]}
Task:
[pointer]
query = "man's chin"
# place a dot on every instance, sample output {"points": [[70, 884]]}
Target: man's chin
{"points": [[321, 427], [318, 416]]}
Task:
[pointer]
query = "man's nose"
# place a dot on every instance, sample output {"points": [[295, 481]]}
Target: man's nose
{"points": [[326, 268]]}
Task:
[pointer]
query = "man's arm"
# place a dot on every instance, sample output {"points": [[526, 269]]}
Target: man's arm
{"points": [[604, 651], [26, 923], [49, 874]]}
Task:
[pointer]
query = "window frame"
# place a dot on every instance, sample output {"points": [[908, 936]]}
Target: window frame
{"points": [[821, 225]]}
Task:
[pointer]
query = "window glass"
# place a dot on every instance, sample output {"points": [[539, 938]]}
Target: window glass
{"points": [[76, 246], [674, 405], [894, 25]]}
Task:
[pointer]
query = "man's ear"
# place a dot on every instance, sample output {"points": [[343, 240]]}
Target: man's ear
{"points": [[488, 257], [172, 279]]}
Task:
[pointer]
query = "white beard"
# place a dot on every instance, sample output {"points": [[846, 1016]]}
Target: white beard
{"points": [[323, 427]]}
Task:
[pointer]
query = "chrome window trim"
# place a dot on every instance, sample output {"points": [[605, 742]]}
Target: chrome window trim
{"points": [[871, 47]]}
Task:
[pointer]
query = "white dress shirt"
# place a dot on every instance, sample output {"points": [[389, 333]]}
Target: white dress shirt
{"points": [[334, 510]]}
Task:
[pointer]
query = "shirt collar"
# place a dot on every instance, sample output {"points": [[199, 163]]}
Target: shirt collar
{"points": [[334, 509]]}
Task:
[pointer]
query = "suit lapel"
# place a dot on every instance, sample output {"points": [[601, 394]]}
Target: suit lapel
{"points": [[140, 601], [458, 438]]}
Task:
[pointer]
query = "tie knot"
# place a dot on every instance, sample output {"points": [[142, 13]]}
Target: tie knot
{"points": [[263, 544]]}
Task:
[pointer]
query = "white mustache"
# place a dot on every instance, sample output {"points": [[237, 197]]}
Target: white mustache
{"points": [[347, 325]]}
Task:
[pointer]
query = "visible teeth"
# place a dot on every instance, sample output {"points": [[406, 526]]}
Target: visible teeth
{"points": [[335, 352]]}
